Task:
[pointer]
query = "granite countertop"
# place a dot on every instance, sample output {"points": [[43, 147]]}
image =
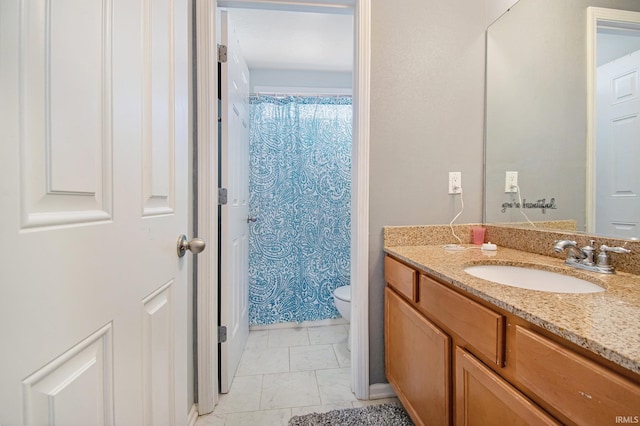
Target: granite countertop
{"points": [[606, 323]]}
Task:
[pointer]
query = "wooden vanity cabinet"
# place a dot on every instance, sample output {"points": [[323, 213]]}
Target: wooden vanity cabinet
{"points": [[454, 360]]}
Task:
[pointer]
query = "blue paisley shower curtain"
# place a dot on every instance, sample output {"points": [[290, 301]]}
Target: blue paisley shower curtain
{"points": [[300, 191]]}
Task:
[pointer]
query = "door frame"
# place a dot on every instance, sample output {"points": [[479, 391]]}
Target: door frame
{"points": [[206, 95], [206, 292]]}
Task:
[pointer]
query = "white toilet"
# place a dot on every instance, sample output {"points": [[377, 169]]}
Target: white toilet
{"points": [[342, 300]]}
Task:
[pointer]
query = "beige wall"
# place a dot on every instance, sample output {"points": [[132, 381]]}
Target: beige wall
{"points": [[495, 8], [427, 118]]}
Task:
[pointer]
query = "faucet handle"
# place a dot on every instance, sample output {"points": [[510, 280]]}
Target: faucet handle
{"points": [[614, 249], [603, 258]]}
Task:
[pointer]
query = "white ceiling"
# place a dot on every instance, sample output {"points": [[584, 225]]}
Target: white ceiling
{"points": [[279, 40]]}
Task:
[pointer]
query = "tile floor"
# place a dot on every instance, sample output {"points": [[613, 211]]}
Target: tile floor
{"points": [[287, 372]]}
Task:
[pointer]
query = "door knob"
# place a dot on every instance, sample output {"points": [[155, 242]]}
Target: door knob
{"points": [[251, 219], [195, 246]]}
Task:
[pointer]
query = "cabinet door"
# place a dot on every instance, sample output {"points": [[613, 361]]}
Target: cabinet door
{"points": [[417, 362], [484, 398]]}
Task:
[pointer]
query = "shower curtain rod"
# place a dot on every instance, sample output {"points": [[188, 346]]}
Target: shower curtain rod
{"points": [[299, 95]]}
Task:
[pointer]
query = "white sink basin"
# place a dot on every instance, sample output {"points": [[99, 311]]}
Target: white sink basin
{"points": [[532, 279]]}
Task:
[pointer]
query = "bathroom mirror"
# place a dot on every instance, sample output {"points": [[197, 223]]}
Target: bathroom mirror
{"points": [[537, 114]]}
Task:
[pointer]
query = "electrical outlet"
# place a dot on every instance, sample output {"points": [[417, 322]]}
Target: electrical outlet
{"points": [[455, 182], [510, 182]]}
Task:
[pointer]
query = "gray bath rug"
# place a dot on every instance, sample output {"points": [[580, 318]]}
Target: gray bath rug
{"points": [[374, 415]]}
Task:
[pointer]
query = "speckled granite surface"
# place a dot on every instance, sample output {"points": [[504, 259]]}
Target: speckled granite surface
{"points": [[542, 241], [606, 323], [538, 241], [432, 234]]}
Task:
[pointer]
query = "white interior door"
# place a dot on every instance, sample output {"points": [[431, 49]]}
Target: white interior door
{"points": [[618, 147], [94, 158], [234, 268]]}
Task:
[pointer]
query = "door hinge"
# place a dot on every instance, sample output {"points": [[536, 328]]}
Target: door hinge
{"points": [[222, 334], [222, 53], [222, 196]]}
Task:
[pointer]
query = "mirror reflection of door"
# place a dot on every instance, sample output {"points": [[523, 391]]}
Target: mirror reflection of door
{"points": [[617, 148]]}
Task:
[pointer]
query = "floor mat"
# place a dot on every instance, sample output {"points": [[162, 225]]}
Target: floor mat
{"points": [[375, 415]]}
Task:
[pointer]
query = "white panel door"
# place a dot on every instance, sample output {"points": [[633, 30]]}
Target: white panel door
{"points": [[618, 148], [93, 195], [234, 267]]}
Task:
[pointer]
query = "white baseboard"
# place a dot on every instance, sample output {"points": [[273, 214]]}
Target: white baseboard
{"points": [[319, 323], [193, 415], [380, 391]]}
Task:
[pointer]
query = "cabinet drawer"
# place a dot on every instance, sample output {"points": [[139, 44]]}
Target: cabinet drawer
{"points": [[480, 327], [400, 277], [582, 390]]}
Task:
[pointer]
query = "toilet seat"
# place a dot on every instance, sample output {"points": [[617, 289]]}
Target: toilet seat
{"points": [[343, 293]]}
